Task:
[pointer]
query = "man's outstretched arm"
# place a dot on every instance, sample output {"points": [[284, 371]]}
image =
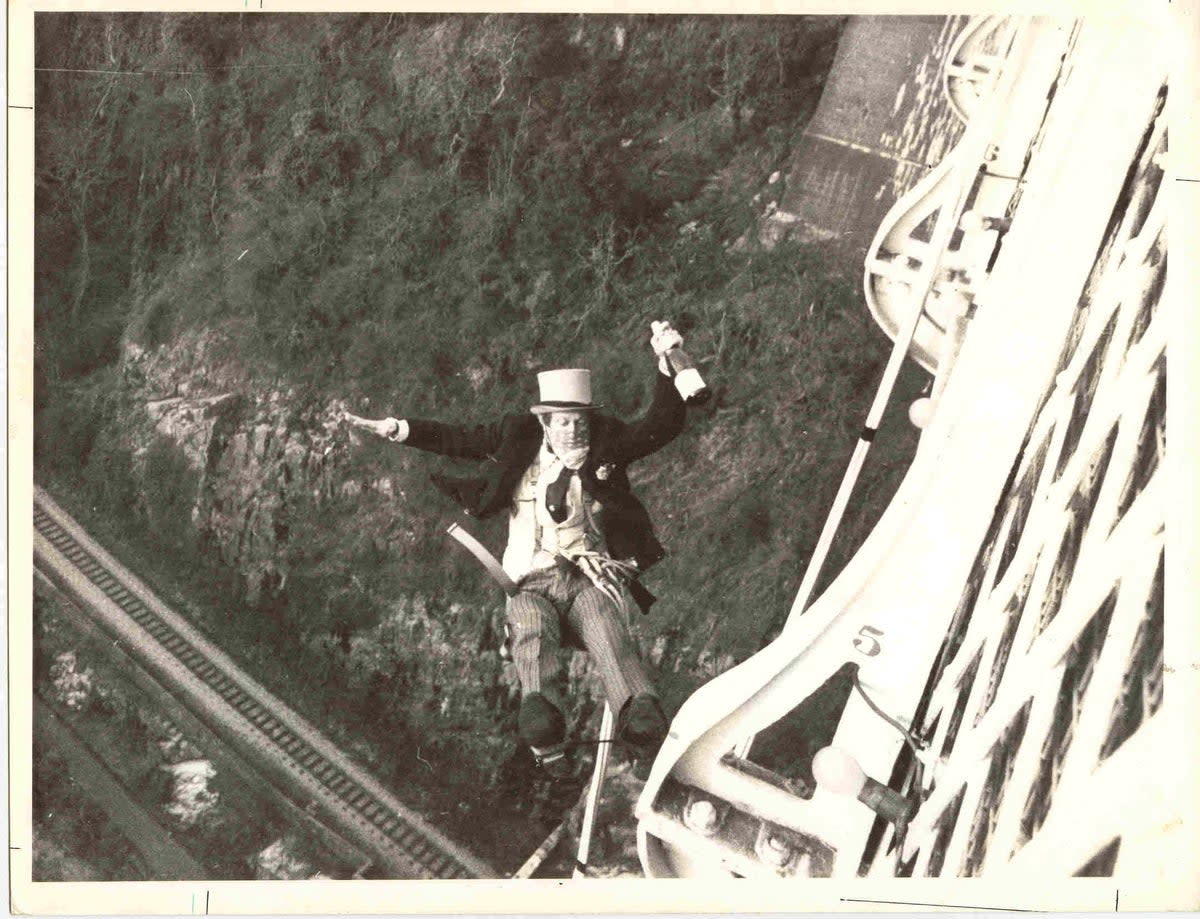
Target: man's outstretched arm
{"points": [[459, 441]]}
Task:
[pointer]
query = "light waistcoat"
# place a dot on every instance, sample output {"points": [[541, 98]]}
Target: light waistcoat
{"points": [[534, 539]]}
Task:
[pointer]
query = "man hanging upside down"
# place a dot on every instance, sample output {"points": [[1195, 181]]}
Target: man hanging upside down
{"points": [[577, 537]]}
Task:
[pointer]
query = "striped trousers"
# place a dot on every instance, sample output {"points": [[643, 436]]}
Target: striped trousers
{"points": [[558, 603]]}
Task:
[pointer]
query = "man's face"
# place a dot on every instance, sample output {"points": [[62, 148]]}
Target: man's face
{"points": [[567, 431]]}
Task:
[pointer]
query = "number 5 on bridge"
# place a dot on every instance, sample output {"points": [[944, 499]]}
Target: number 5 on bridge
{"points": [[867, 640]]}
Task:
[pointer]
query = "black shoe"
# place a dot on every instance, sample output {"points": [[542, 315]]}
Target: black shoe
{"points": [[642, 728], [641, 761], [539, 723], [642, 723], [554, 763]]}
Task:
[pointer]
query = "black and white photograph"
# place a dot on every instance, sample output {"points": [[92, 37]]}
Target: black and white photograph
{"points": [[572, 447]]}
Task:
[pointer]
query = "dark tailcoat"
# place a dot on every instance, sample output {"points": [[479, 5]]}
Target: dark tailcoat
{"points": [[510, 445]]}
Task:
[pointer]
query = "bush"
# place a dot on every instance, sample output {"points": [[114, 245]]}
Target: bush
{"points": [[69, 419], [168, 494], [460, 160]]}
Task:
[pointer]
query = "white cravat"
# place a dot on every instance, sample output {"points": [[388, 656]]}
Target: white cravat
{"points": [[572, 459]]}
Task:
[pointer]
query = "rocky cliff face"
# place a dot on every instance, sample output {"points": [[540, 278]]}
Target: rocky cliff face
{"points": [[252, 448]]}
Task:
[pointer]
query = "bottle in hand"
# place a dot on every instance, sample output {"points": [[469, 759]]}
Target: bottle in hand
{"points": [[687, 378]]}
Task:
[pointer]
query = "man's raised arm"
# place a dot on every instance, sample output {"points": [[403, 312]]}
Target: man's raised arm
{"points": [[664, 419]]}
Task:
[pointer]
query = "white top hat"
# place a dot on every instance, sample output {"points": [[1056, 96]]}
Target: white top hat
{"points": [[564, 391]]}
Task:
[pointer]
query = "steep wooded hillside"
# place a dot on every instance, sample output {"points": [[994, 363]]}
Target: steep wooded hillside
{"points": [[248, 222]]}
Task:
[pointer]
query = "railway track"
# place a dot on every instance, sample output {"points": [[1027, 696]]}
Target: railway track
{"points": [[295, 758]]}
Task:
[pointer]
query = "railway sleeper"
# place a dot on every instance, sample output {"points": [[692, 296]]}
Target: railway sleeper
{"points": [[373, 810], [338, 784], [308, 758], [357, 797], [389, 826], [195, 662], [292, 745], [337, 779], [325, 772], [404, 834]]}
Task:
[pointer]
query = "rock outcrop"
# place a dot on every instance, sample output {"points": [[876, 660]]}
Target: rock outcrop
{"points": [[253, 448]]}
